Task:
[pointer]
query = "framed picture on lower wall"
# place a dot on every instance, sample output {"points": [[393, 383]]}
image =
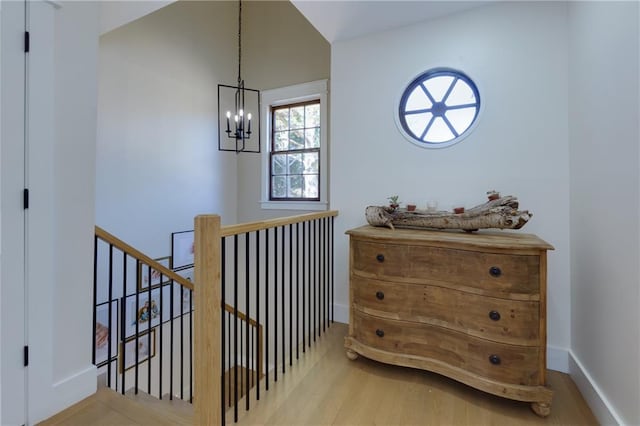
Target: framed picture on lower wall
{"points": [[144, 346]]}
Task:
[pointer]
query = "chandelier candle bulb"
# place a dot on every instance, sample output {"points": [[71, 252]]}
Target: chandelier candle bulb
{"points": [[249, 123], [228, 117]]}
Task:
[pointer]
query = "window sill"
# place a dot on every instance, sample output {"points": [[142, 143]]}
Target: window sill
{"points": [[294, 205]]}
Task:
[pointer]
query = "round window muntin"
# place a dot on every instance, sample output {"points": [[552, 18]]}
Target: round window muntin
{"points": [[401, 113]]}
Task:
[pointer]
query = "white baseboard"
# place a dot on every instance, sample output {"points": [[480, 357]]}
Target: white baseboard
{"points": [[67, 392], [558, 359], [341, 313], [595, 398]]}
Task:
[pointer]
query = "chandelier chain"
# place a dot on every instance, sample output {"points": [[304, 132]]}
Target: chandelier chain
{"points": [[239, 40]]}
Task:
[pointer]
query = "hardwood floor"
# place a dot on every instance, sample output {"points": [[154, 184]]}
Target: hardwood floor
{"points": [[325, 388]]}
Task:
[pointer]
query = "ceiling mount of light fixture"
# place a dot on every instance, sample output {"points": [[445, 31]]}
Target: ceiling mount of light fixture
{"points": [[238, 110]]}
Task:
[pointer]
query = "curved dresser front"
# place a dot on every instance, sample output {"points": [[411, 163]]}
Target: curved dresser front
{"points": [[470, 306]]}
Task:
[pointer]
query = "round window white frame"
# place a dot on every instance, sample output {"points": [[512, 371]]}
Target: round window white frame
{"points": [[424, 76]]}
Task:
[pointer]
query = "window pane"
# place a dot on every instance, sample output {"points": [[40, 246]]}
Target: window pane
{"points": [[312, 138], [438, 86], [296, 139], [279, 186], [281, 142], [418, 122], [461, 119], [310, 161], [311, 186], [312, 115], [295, 164], [461, 95], [418, 100], [439, 131], [297, 118], [295, 186], [279, 164], [282, 119]]}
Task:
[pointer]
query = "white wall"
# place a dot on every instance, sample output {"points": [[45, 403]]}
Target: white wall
{"points": [[158, 164], [115, 14], [605, 214], [519, 147], [60, 155], [280, 48]]}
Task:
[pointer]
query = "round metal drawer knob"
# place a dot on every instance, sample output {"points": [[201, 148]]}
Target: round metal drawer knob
{"points": [[380, 258], [494, 359], [379, 333], [494, 315], [379, 295], [494, 271]]}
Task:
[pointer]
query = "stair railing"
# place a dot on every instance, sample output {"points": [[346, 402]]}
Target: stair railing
{"points": [[278, 271], [141, 303]]}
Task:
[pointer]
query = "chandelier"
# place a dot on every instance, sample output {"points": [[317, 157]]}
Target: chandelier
{"points": [[241, 106]]}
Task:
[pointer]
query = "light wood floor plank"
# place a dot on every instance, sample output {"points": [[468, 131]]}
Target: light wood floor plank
{"points": [[325, 388]]}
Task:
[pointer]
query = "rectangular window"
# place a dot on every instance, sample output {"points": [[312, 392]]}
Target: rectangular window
{"points": [[295, 152]]}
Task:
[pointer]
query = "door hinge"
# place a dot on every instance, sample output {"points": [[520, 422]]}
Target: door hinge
{"points": [[26, 356], [26, 41], [25, 198]]}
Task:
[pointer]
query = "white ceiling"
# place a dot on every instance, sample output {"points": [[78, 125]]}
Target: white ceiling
{"points": [[345, 19]]}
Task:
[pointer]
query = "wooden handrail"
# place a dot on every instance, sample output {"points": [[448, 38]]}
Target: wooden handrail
{"points": [[241, 315], [230, 230], [137, 254]]}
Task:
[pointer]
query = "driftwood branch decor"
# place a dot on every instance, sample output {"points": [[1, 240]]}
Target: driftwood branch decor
{"points": [[500, 213]]}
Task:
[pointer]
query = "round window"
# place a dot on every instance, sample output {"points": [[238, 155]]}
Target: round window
{"points": [[438, 108]]}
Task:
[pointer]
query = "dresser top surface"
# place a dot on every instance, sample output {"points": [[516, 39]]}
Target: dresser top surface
{"points": [[480, 239]]}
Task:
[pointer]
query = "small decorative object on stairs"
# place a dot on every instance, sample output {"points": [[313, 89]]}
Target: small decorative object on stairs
{"points": [[499, 213], [393, 202]]}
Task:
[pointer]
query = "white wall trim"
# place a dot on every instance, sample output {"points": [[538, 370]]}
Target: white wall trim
{"points": [[341, 313], [596, 399], [558, 359], [282, 96], [67, 392]]}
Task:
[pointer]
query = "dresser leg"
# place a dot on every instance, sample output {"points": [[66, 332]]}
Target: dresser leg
{"points": [[543, 409], [352, 355]]}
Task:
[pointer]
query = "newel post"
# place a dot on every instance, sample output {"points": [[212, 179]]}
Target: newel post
{"points": [[207, 299]]}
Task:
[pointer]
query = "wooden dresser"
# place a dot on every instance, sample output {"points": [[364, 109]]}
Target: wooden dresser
{"points": [[469, 306]]}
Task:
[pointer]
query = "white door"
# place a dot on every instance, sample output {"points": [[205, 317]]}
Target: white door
{"points": [[12, 217]]}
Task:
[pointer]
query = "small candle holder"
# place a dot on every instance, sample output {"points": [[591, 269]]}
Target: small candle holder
{"points": [[411, 207], [458, 210]]}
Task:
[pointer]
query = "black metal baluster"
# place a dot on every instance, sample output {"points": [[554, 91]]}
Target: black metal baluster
{"points": [[258, 355], [325, 305], [297, 290], [181, 342], [137, 320], [171, 342], [266, 308], [247, 313], [331, 286], [123, 320], [95, 302], [160, 330], [149, 332], [309, 292], [282, 270], [224, 316], [190, 345], [315, 267], [290, 294], [304, 299], [230, 369], [110, 297], [235, 327], [275, 304]]}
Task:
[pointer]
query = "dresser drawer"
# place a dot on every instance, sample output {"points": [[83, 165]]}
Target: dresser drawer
{"points": [[508, 321], [500, 362], [488, 273]]}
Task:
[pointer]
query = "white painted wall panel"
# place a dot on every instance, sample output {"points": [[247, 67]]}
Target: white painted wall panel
{"points": [[519, 147]]}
